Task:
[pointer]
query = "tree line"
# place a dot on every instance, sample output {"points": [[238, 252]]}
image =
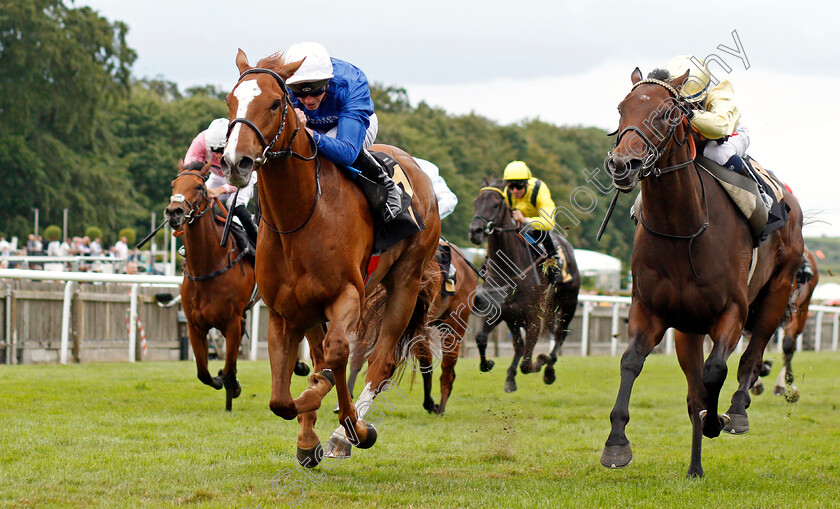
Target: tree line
{"points": [[79, 131]]}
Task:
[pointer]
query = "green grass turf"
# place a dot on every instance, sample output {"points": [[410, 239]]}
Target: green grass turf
{"points": [[151, 435]]}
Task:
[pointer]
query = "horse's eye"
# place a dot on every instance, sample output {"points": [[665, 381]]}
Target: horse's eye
{"points": [[276, 105]]}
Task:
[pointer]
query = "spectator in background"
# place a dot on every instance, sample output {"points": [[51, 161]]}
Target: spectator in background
{"points": [[54, 248], [131, 268], [31, 245], [120, 249], [96, 247], [64, 249], [39, 244], [5, 247]]}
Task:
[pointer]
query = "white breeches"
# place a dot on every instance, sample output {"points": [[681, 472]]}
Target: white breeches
{"points": [[245, 193], [737, 144]]}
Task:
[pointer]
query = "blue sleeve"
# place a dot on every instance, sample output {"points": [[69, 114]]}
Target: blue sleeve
{"points": [[354, 107]]}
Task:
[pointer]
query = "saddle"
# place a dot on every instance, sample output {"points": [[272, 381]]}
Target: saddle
{"points": [[407, 223], [746, 193]]}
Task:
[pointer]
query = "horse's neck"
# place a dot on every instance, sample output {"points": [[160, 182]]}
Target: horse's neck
{"points": [[675, 202], [508, 254], [287, 187], [201, 243]]}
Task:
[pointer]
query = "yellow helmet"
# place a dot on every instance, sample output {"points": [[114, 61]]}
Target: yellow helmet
{"points": [[697, 84], [517, 170]]}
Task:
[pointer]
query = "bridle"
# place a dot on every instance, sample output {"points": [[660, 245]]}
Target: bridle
{"points": [[655, 151], [269, 153], [193, 211], [490, 224]]}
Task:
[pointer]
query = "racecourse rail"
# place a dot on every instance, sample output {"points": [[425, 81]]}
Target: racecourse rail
{"points": [[588, 304]]}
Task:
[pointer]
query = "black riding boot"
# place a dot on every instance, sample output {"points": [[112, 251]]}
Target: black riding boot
{"points": [[555, 268], [247, 222], [372, 170]]}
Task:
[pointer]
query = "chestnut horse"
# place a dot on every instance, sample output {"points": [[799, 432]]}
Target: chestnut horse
{"points": [[313, 253], [792, 330], [517, 290], [694, 267], [449, 316], [218, 280]]}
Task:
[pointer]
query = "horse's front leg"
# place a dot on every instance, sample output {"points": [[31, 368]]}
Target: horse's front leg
{"points": [[309, 453], [646, 332], [423, 353], [518, 349], [532, 334], [200, 348], [485, 364]]}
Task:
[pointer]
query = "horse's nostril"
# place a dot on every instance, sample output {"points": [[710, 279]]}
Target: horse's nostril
{"points": [[246, 164]]}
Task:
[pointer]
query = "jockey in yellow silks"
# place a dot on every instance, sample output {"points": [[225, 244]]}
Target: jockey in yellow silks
{"points": [[530, 200]]}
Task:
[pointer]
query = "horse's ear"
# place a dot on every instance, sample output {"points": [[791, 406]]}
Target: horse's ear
{"points": [[206, 168], [484, 182], [242, 61], [678, 82], [636, 76], [180, 165], [289, 69]]}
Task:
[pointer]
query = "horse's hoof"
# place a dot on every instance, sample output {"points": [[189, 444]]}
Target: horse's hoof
{"points": [[328, 374], [368, 442], [439, 410], [486, 365], [335, 410], [779, 390], [429, 405], [301, 368], [765, 368], [218, 383], [510, 386], [309, 458], [338, 448], [526, 367], [549, 376], [738, 424], [616, 456], [757, 389]]}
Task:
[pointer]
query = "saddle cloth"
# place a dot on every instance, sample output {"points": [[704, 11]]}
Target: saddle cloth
{"points": [[407, 223]]}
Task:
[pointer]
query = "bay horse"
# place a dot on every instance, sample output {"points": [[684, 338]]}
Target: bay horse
{"points": [[694, 267], [218, 280], [313, 254], [449, 316], [791, 330], [517, 289]]}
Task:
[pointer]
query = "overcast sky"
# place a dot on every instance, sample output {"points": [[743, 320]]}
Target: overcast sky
{"points": [[567, 63]]}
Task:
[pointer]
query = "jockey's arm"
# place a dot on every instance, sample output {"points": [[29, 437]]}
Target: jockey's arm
{"points": [[544, 220], [721, 115]]}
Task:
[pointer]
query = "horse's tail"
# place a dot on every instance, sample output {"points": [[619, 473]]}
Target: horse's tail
{"points": [[416, 331]]}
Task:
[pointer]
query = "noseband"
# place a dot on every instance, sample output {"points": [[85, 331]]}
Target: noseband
{"points": [[193, 213], [268, 153], [655, 151]]}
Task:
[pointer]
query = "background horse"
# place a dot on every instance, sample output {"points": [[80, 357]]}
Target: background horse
{"points": [[792, 330], [218, 280], [313, 254], [694, 267], [449, 315], [516, 286]]}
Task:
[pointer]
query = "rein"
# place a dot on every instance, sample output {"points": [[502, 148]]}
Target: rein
{"points": [[282, 153], [192, 216], [655, 152]]}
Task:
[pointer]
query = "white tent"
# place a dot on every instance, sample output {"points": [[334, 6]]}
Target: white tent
{"points": [[826, 292], [604, 268]]}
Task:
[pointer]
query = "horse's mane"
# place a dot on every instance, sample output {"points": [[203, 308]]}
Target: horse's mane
{"points": [[194, 166], [660, 74]]}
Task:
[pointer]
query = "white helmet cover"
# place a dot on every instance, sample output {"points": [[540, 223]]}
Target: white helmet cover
{"points": [[216, 134], [317, 65]]}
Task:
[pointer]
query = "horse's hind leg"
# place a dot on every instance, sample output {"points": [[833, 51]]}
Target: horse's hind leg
{"points": [[769, 314], [690, 355], [453, 331], [423, 353], [233, 338], [645, 333], [200, 347], [560, 333], [532, 334]]}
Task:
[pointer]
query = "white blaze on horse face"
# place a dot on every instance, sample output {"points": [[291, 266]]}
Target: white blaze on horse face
{"points": [[245, 93]]}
